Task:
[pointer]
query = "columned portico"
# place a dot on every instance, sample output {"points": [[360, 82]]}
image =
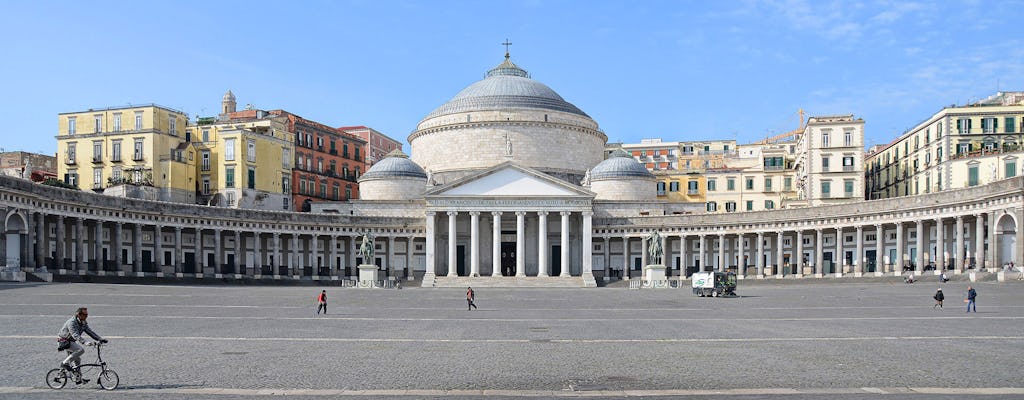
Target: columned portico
{"points": [[858, 257], [496, 244], [542, 244], [474, 243], [520, 244], [452, 267], [798, 258]]}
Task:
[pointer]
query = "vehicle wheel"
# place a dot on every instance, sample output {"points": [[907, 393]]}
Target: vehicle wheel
{"points": [[714, 294], [56, 378], [108, 379]]}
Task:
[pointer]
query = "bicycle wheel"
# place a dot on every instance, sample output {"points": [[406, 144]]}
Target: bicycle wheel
{"points": [[108, 379], [56, 378]]}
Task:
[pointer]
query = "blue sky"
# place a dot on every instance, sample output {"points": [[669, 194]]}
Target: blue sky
{"points": [[676, 70]]}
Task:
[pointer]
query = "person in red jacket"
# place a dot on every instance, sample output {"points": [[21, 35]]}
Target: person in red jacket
{"points": [[322, 301], [470, 296]]}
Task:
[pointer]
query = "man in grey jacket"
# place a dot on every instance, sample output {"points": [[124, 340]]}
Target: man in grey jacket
{"points": [[70, 339]]}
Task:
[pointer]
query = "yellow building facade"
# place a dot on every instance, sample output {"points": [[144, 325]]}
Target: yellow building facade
{"points": [[136, 151]]}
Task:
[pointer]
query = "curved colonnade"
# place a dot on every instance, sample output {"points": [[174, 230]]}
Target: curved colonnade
{"points": [[68, 232]]}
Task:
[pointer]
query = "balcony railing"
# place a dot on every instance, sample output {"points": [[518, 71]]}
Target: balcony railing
{"points": [[848, 168]]}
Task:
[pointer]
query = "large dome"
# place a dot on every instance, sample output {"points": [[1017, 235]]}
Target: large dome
{"points": [[506, 87], [619, 165]]}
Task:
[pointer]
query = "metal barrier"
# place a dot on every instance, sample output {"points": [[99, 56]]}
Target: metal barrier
{"points": [[658, 284]]}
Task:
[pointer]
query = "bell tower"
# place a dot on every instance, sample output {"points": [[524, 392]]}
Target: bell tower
{"points": [[228, 104]]}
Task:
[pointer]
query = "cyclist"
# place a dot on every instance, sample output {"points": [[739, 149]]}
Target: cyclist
{"points": [[69, 338]]}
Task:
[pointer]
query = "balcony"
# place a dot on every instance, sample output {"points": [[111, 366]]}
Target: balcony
{"points": [[137, 157], [848, 168], [692, 192], [97, 160], [70, 161]]}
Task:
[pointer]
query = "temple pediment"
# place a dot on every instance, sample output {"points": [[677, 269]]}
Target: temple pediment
{"points": [[509, 180]]}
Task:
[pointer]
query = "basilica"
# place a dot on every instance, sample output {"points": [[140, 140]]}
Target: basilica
{"points": [[508, 184]]}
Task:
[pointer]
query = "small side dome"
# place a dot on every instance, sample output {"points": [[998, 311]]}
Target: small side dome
{"points": [[229, 96], [394, 165], [619, 165]]}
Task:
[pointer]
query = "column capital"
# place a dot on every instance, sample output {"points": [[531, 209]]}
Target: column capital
{"points": [[520, 213], [860, 228], [452, 213], [938, 219], [565, 213], [496, 213], [818, 230], [721, 235], [430, 213], [474, 213], [760, 234], [542, 213], [177, 229], [588, 213]]}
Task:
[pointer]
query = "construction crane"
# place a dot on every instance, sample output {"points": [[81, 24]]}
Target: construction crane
{"points": [[780, 137]]}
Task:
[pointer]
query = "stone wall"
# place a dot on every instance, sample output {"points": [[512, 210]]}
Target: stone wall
{"points": [[392, 188], [627, 189]]}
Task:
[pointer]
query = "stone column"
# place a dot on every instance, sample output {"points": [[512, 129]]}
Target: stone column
{"points": [[542, 244], [722, 264], [799, 256], [80, 252], [958, 256], [452, 237], [496, 244], [625, 257], [238, 255], [97, 244], [565, 244], [428, 247], [116, 241], [351, 254], [520, 243], [643, 253], [314, 251], [921, 249], [858, 257], [879, 249], [837, 256], [940, 246], [741, 264], [992, 255], [276, 265], [37, 258], [332, 263], [819, 254], [158, 248], [779, 260], [607, 258], [474, 243], [137, 248], [682, 255], [198, 244], [760, 255], [588, 246], [391, 256], [900, 245], [408, 258], [293, 259], [701, 251], [61, 246], [666, 253], [218, 251], [257, 254]]}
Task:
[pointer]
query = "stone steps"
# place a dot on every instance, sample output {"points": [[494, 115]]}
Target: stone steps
{"points": [[509, 281]]}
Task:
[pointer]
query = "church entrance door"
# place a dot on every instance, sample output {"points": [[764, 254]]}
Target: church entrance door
{"points": [[508, 258], [556, 260], [460, 260]]}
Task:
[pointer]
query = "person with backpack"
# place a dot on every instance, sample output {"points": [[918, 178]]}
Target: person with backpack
{"points": [[322, 302], [971, 296], [938, 298]]}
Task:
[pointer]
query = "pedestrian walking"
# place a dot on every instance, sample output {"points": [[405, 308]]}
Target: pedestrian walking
{"points": [[321, 302], [938, 298], [470, 297], [971, 296]]}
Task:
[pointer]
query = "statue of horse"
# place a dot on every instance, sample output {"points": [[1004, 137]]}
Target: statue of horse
{"points": [[654, 250], [366, 249]]}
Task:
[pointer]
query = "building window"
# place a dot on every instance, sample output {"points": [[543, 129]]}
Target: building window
{"points": [[71, 178], [673, 186], [97, 151], [750, 183], [250, 154], [848, 188], [206, 185], [97, 178], [963, 125], [137, 156], [138, 120], [691, 187], [348, 193], [730, 184], [711, 185], [767, 184], [824, 164], [115, 151], [1010, 168], [825, 138], [989, 125], [206, 135], [229, 177], [115, 174], [302, 160], [848, 163], [730, 206], [97, 123], [769, 204], [661, 188], [251, 182], [71, 153], [787, 184], [335, 192], [229, 150], [848, 138], [826, 189], [231, 199], [712, 206], [963, 148], [320, 166], [302, 185], [205, 163], [117, 122], [286, 185], [284, 203], [71, 125], [750, 205], [1009, 125], [323, 188], [172, 125], [285, 158]]}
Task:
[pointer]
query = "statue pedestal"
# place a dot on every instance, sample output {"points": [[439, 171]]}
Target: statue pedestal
{"points": [[654, 272], [370, 273]]}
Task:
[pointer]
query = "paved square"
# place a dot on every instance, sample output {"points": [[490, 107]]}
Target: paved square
{"points": [[792, 340]]}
